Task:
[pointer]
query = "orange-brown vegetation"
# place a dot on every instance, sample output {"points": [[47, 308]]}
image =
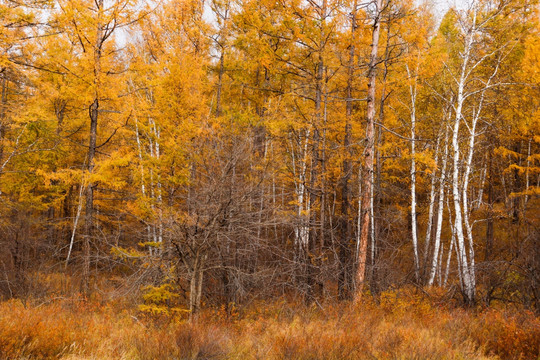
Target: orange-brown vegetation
{"points": [[401, 325]]}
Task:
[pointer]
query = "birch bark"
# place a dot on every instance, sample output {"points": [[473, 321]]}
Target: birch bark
{"points": [[440, 213]]}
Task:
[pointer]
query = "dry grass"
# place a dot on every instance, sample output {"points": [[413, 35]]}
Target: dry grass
{"points": [[400, 327]]}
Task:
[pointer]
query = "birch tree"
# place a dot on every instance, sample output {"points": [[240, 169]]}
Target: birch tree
{"points": [[471, 84]]}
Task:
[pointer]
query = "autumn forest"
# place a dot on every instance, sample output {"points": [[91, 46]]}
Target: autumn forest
{"points": [[269, 179]]}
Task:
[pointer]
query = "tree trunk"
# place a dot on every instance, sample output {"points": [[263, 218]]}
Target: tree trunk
{"points": [[345, 226], [490, 201], [369, 153], [468, 287], [414, 236], [93, 114], [440, 213], [195, 294], [3, 112], [427, 241], [89, 210], [220, 82]]}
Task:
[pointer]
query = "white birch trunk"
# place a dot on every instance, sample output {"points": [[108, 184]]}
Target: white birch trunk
{"points": [[431, 206], [440, 213], [448, 260], [152, 188], [412, 92], [301, 230], [468, 286], [439, 266], [466, 174], [76, 222], [157, 135], [141, 169], [478, 202]]}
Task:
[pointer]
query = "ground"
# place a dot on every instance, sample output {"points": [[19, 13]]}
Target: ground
{"points": [[401, 325]]}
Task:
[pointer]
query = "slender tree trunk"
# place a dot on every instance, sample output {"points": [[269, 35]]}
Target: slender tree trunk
{"points": [[414, 236], [372, 221], [220, 82], [3, 111], [476, 204], [468, 282], [312, 235], [466, 220], [527, 181], [375, 202], [490, 201], [369, 153], [141, 170], [516, 200], [440, 213], [452, 245], [322, 233], [199, 287], [449, 260], [159, 190], [316, 190], [359, 215], [458, 211], [93, 115], [439, 266], [345, 227], [89, 210], [301, 230], [75, 223], [427, 241]]}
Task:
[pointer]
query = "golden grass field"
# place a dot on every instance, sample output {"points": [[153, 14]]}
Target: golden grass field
{"points": [[400, 326]]}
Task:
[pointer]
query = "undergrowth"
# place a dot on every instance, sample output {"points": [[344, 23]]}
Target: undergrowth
{"points": [[397, 327]]}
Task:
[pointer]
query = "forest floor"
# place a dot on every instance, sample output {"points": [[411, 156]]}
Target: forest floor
{"points": [[399, 326]]}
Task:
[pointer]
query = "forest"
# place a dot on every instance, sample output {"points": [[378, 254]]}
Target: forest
{"points": [[269, 179]]}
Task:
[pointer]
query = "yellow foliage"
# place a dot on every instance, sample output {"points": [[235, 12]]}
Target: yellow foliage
{"points": [[126, 253], [159, 300]]}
